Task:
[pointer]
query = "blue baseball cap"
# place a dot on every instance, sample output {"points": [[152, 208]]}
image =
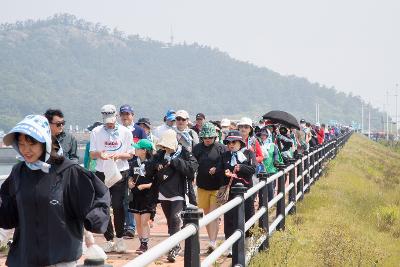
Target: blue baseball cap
{"points": [[171, 115], [126, 108]]}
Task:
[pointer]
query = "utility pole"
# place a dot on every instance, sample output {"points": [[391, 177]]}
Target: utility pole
{"points": [[396, 118], [387, 115], [362, 117], [369, 123]]}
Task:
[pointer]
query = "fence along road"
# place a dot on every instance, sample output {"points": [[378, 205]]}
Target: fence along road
{"points": [[308, 168]]}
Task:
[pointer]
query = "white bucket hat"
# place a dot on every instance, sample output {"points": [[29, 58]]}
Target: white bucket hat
{"points": [[225, 122], [168, 140], [245, 121]]}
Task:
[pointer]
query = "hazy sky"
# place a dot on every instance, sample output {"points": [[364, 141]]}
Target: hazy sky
{"points": [[352, 45]]}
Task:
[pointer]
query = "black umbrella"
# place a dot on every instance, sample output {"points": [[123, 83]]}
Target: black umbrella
{"points": [[282, 117]]}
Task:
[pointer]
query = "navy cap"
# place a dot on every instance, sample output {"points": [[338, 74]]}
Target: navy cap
{"points": [[126, 108]]}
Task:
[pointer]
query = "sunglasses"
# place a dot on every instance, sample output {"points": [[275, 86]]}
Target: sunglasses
{"points": [[244, 126], [180, 119], [208, 138], [58, 124]]}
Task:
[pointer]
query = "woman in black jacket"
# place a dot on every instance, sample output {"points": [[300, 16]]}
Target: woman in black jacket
{"points": [[239, 165], [48, 200], [175, 167]]}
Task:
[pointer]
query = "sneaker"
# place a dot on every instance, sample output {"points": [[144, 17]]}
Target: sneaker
{"points": [[173, 253], [120, 246], [94, 252], [129, 234], [142, 249], [109, 246], [210, 249]]}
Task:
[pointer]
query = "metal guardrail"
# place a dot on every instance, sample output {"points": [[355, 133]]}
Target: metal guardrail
{"points": [[302, 173]]}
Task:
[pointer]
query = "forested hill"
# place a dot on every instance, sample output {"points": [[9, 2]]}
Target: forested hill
{"points": [[78, 66]]}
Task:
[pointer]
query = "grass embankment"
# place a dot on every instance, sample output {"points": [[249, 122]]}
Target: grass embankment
{"points": [[350, 218]]}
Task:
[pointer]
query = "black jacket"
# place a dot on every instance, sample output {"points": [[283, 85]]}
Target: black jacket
{"points": [[208, 157], [49, 211], [247, 168], [69, 146], [173, 178]]}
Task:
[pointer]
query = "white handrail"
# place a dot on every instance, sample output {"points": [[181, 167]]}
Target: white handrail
{"points": [[219, 211], [163, 247]]}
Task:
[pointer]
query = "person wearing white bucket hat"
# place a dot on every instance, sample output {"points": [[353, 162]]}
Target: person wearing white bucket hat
{"points": [[48, 199], [175, 167]]}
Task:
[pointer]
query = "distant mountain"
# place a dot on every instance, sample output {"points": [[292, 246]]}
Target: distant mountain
{"points": [[78, 66]]}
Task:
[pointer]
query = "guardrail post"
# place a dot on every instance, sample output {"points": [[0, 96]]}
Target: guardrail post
{"points": [[280, 206], [263, 202], [306, 177], [336, 147], [238, 249], [192, 244], [292, 191], [300, 184], [316, 160], [312, 167]]}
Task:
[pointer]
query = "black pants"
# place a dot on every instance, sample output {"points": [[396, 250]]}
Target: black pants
{"points": [[229, 217], [172, 211], [117, 192]]}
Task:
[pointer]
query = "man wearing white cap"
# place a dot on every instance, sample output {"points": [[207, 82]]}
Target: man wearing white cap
{"points": [[112, 141], [186, 137], [225, 124]]}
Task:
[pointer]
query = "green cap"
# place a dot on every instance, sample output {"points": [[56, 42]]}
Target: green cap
{"points": [[208, 130], [143, 144]]}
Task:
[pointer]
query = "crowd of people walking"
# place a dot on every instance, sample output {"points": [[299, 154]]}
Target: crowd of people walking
{"points": [[54, 204]]}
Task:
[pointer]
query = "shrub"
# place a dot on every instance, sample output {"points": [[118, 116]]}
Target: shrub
{"points": [[338, 245], [386, 217]]}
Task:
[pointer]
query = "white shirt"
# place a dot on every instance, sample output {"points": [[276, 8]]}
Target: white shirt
{"points": [[101, 140]]}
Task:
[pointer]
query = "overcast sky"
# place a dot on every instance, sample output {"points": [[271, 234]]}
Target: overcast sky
{"points": [[352, 45]]}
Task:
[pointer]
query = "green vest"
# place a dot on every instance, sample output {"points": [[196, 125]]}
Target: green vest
{"points": [[269, 161]]}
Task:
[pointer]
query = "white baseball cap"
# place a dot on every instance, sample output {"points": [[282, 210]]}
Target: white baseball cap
{"points": [[182, 113], [109, 113]]}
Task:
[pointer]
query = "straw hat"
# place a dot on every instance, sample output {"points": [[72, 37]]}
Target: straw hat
{"points": [[168, 140]]}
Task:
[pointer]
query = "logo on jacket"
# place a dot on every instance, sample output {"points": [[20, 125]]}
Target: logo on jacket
{"points": [[54, 202]]}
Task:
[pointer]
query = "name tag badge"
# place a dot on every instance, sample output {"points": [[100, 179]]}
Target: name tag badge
{"points": [[136, 170]]}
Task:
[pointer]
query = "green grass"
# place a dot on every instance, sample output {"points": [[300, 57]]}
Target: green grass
{"points": [[350, 218]]}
